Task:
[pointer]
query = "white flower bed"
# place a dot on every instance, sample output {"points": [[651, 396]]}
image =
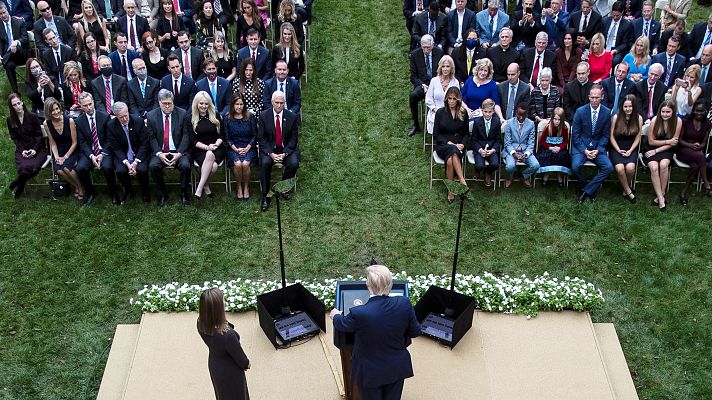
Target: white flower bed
{"points": [[492, 293]]}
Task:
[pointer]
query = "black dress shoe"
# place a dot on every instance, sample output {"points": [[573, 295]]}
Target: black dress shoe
{"points": [[582, 197], [265, 204], [161, 200], [88, 200], [412, 131], [115, 200], [127, 196], [184, 199], [286, 195]]}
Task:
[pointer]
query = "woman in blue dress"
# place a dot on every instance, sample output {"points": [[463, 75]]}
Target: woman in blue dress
{"points": [[62, 137], [240, 131], [479, 88], [638, 60]]}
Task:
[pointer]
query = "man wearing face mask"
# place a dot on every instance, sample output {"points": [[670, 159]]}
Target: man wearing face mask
{"points": [[466, 56], [143, 90], [217, 87], [13, 44], [109, 88]]}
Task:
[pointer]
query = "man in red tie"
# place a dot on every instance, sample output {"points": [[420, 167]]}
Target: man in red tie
{"points": [[278, 138], [191, 58], [259, 55], [132, 24]]}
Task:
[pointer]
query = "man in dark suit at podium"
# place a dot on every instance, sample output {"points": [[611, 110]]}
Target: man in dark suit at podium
{"points": [[383, 329]]}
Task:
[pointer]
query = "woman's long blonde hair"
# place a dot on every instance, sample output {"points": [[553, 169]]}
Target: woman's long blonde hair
{"points": [[294, 46], [195, 114]]}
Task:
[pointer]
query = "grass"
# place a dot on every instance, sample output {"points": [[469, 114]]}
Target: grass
{"points": [[66, 273]]}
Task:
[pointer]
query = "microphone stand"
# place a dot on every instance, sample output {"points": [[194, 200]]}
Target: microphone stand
{"points": [[461, 191], [278, 189]]}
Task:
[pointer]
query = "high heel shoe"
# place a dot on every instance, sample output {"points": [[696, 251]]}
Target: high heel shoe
{"points": [[684, 200], [630, 196]]}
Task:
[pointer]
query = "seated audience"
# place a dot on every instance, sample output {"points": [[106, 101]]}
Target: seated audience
{"points": [[62, 137], [108, 87], [58, 25], [143, 91], [225, 59], [567, 58], [663, 136], [480, 87], [207, 25], [290, 51], [638, 60], [600, 61], [450, 131], [122, 57], [14, 45], [182, 86], [466, 56], [544, 98], [250, 87], [519, 139], [72, 87], [283, 83], [433, 23], [691, 148], [260, 55], [249, 19], [626, 130], [205, 127], [679, 31], [486, 141], [89, 56], [130, 149], [155, 57], [513, 91], [240, 133], [217, 88], [168, 25], [553, 152], [435, 96], [39, 86], [650, 92], [132, 24], [616, 88], [686, 91], [56, 55], [190, 57], [576, 92], [30, 151], [91, 21]]}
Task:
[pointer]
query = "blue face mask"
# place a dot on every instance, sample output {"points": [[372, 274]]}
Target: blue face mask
{"points": [[472, 43]]}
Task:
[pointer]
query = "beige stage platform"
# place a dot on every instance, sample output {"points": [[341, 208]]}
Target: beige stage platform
{"points": [[503, 357]]}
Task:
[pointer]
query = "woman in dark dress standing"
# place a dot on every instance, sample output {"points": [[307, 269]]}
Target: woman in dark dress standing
{"points": [[626, 131], [62, 137], [290, 51], [249, 86], [225, 60], [154, 56], [693, 142], [168, 25], [663, 136], [450, 131], [249, 18], [240, 132], [30, 152], [39, 86], [206, 130], [89, 56], [227, 362], [553, 154]]}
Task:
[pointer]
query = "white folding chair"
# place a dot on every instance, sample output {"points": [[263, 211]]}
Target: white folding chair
{"points": [[470, 157], [225, 182], [435, 159]]}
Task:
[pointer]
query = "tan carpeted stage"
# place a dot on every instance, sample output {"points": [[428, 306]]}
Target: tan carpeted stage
{"points": [[503, 357]]}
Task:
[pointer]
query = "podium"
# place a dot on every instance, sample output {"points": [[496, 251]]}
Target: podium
{"points": [[351, 294]]}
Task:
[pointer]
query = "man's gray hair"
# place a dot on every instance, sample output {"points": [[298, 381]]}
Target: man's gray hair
{"points": [[118, 106], [84, 95], [426, 40], [542, 36], [379, 280], [659, 67], [98, 60], [278, 93], [165, 94]]}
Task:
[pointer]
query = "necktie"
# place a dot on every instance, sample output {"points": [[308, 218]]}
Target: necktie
{"points": [[594, 120], [650, 102], [94, 138], [487, 127], [585, 23], [132, 33], [214, 92], [186, 64], [521, 126], [124, 68], [9, 33], [176, 6], [469, 61], [611, 35], [278, 132], [668, 72], [52, 26], [431, 28], [615, 102], [254, 56], [491, 26], [166, 133], [563, 5], [59, 66], [627, 8], [704, 43], [175, 87], [9, 6], [428, 67], [703, 76], [645, 31], [143, 89], [108, 96], [130, 152], [535, 73], [281, 87], [109, 10], [510, 101], [217, 5]]}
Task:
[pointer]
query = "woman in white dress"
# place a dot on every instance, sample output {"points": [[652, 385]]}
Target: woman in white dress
{"points": [[435, 96], [687, 90]]}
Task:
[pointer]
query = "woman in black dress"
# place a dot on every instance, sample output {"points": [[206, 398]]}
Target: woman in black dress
{"points": [[207, 25], [249, 18], [62, 136], [73, 87], [30, 151], [240, 132], [92, 22], [626, 131], [663, 136], [154, 56], [290, 51], [39, 86], [287, 14], [225, 60], [206, 130], [168, 25], [450, 131], [250, 87], [227, 362], [553, 153], [89, 56]]}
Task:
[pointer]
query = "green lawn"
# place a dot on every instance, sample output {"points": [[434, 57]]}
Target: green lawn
{"points": [[67, 273]]}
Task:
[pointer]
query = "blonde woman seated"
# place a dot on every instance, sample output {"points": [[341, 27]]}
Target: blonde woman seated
{"points": [[626, 130], [553, 154], [663, 136], [600, 61], [638, 59], [206, 130], [687, 90], [479, 88], [435, 96], [450, 131]]}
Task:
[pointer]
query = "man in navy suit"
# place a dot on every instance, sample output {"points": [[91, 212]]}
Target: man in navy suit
{"points": [[526, 26], [191, 58], [618, 32], [647, 26], [22, 10], [56, 55], [122, 58], [143, 90], [705, 63], [700, 36], [489, 23], [555, 22], [259, 53], [672, 62], [617, 87], [590, 132], [486, 140], [217, 87], [383, 329], [13, 49], [284, 83], [128, 141], [459, 21], [182, 86], [132, 24]]}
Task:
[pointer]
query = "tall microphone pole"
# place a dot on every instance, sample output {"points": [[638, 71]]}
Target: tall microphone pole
{"points": [[461, 190], [285, 306]]}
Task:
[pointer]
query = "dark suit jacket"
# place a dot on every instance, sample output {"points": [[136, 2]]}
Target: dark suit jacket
{"points": [[84, 133], [383, 329], [420, 28], [409, 7], [18, 33], [697, 37], [624, 38], [291, 89], [266, 133], [685, 46], [575, 96], [154, 126], [525, 33], [119, 90], [138, 104], [609, 91], [708, 79], [480, 139], [522, 95], [459, 56], [196, 61], [224, 92], [418, 72], [641, 91], [583, 137], [66, 33], [468, 22], [187, 90], [556, 29], [263, 61], [595, 23], [22, 9], [116, 61], [526, 63], [50, 62], [120, 146], [678, 67], [653, 32], [296, 65], [141, 26], [500, 61]]}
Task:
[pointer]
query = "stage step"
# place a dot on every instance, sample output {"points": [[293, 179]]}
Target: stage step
{"points": [[615, 362], [117, 366]]}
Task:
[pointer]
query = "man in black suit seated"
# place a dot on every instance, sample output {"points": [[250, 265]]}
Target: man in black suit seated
{"points": [[512, 91], [182, 86], [277, 135], [190, 57], [94, 149], [618, 32], [586, 22], [282, 82], [678, 31], [486, 140], [705, 62], [170, 145], [108, 83], [22, 11], [423, 66], [56, 55], [648, 105], [700, 36], [143, 90], [129, 145], [526, 25], [263, 60], [576, 92], [132, 24], [502, 55], [411, 9], [617, 87], [433, 23], [647, 26], [13, 49], [59, 25], [545, 58]]}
